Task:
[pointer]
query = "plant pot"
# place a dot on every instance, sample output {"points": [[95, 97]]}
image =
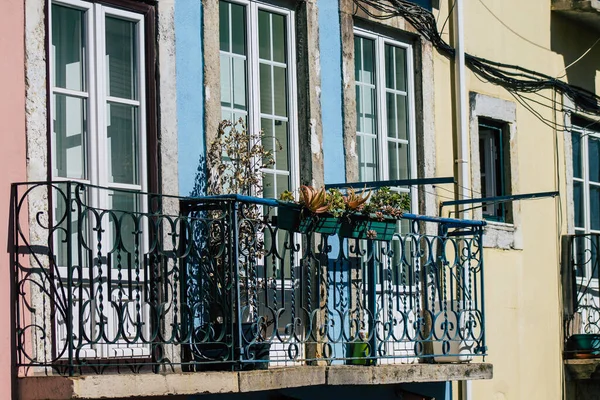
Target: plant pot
{"points": [[357, 226], [290, 217], [357, 351], [214, 356], [585, 343]]}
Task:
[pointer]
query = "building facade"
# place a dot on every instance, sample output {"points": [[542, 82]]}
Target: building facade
{"points": [[111, 101]]}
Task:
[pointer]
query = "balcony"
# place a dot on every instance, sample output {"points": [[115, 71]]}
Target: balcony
{"points": [[581, 305], [585, 11], [207, 295]]}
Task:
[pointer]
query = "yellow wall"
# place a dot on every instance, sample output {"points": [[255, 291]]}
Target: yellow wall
{"points": [[523, 298]]}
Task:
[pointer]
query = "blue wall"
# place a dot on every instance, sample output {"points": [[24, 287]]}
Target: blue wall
{"points": [[330, 45], [190, 91]]}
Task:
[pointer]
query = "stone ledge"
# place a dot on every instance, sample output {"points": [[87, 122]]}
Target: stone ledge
{"points": [[132, 386], [582, 369], [407, 373]]}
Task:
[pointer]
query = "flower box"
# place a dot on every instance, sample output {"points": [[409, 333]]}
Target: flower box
{"points": [[293, 218], [358, 226]]}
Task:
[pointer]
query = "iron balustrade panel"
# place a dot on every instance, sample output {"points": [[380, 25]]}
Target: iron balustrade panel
{"points": [[581, 293], [107, 279]]}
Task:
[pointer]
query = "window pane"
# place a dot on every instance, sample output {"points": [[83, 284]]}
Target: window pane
{"points": [[366, 110], [121, 58], [400, 68], [239, 83], [576, 144], [594, 158], [123, 144], [70, 137], [390, 103], [125, 205], [279, 84], [281, 150], [357, 58], [401, 114], [278, 38], [269, 186], [367, 69], [390, 69], [367, 158], [238, 29], [595, 207], [578, 201], [68, 47], [580, 255], [224, 26], [264, 35], [226, 81], [266, 95], [398, 160]]}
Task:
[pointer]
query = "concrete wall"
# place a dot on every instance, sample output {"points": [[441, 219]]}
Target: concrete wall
{"points": [[12, 158]]}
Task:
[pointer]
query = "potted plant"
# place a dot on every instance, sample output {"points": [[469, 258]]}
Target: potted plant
{"points": [[377, 219], [315, 211], [235, 160], [357, 352]]}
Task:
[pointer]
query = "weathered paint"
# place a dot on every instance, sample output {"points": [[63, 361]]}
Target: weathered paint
{"points": [[190, 91], [331, 91], [12, 157]]}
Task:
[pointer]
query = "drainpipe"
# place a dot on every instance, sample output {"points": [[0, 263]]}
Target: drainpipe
{"points": [[462, 135], [461, 107]]}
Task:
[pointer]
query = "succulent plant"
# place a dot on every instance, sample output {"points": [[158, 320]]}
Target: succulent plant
{"points": [[313, 200], [336, 202], [286, 195], [386, 202], [355, 201]]}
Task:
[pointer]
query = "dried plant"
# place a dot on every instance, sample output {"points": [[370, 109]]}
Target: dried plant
{"points": [[236, 158]]}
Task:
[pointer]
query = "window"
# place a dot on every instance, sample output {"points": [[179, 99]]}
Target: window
{"points": [[586, 176], [98, 125], [493, 167], [384, 108], [97, 106], [258, 82]]}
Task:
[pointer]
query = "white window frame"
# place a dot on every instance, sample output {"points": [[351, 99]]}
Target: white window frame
{"points": [[381, 111], [585, 134], [94, 71], [254, 114], [253, 80]]}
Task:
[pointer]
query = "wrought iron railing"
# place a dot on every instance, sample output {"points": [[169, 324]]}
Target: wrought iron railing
{"points": [[581, 294], [106, 279]]}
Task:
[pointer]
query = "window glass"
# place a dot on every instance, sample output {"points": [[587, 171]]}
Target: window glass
{"points": [[123, 144], [382, 135], [578, 203], [70, 119], [68, 48], [594, 158], [121, 65], [576, 145], [492, 168]]}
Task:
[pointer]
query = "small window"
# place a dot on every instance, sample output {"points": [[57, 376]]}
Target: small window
{"points": [[494, 169]]}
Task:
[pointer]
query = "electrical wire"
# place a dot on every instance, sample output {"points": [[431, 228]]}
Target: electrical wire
{"points": [[514, 78], [511, 29], [578, 59]]}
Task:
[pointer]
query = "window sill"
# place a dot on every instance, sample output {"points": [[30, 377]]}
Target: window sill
{"points": [[500, 235]]}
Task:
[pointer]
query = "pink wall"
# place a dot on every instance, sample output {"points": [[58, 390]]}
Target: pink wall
{"points": [[12, 156]]}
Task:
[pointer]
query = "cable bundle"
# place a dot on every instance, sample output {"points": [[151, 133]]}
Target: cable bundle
{"points": [[513, 78]]}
